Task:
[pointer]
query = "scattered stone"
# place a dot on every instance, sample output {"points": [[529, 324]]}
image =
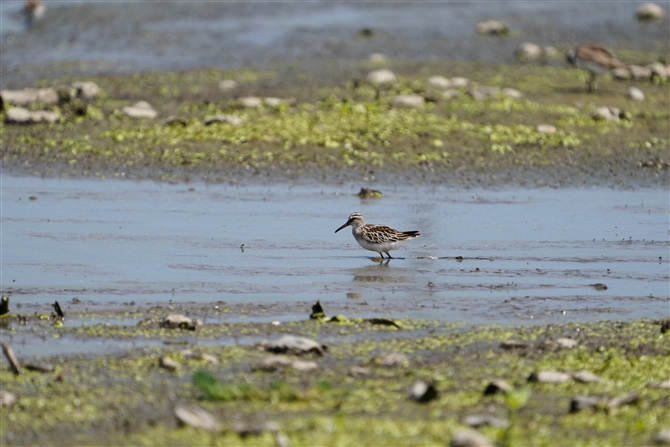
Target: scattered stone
{"points": [[358, 371], [7, 399], [209, 358], [584, 376], [367, 193], [599, 285], [24, 116], [564, 343], [497, 387], [658, 70], [382, 76], [271, 364], [470, 438], [377, 58], [451, 93], [493, 27], [480, 93], [422, 392], [230, 119], [514, 344], [11, 358], [293, 344], [635, 93], [439, 82], [46, 96], [38, 367], [528, 51], [86, 89], [640, 73], [276, 102], [174, 120], [227, 85], [663, 437], [549, 377], [194, 416], [251, 102], [626, 399], [140, 110], [546, 128], [459, 82], [408, 101], [179, 321], [303, 365], [649, 11], [169, 364], [478, 420], [608, 114], [665, 384], [4, 305], [621, 73], [580, 402], [512, 93], [391, 359]]}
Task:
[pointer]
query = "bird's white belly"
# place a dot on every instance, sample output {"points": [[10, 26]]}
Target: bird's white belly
{"points": [[590, 66], [379, 248]]}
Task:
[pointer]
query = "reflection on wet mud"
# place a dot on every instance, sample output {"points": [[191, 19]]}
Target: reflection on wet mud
{"points": [[380, 273]]}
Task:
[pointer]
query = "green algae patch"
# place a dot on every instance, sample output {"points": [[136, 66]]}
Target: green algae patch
{"points": [[351, 399], [339, 124]]}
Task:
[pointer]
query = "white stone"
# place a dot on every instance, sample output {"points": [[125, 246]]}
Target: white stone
{"points": [[494, 27], [251, 102], [459, 82], [512, 93], [439, 82], [227, 84], [635, 93], [621, 73], [640, 73], [141, 109], [649, 11], [30, 95], [546, 128], [382, 76], [230, 119], [528, 51], [408, 101], [21, 115], [86, 89]]}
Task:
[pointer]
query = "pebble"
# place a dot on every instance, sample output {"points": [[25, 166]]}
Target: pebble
{"points": [[497, 387], [382, 76], [564, 343], [141, 109], [639, 73], [251, 102], [227, 85], [391, 359], [169, 364], [439, 82], [478, 420], [546, 128], [230, 119], [274, 102], [423, 392], [549, 377], [635, 93], [20, 115], [47, 96], [194, 416], [649, 11], [493, 27], [584, 376], [659, 70], [606, 113], [512, 93], [621, 73], [451, 93], [408, 101], [179, 321], [86, 89], [663, 437], [629, 398], [580, 402], [7, 399], [470, 438], [278, 362], [483, 92], [528, 51], [358, 371], [294, 344], [459, 82], [665, 384]]}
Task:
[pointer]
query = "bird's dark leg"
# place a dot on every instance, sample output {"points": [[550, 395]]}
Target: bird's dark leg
{"points": [[387, 254], [592, 82], [381, 254]]}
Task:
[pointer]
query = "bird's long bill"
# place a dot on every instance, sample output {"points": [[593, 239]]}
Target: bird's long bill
{"points": [[343, 226]]}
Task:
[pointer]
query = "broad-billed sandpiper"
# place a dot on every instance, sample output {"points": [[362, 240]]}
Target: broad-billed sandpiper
{"points": [[595, 58], [379, 238]]}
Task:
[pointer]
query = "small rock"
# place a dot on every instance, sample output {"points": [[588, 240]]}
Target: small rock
{"points": [[470, 438], [20, 115], [580, 402], [626, 399], [640, 73], [512, 93], [209, 358], [194, 416], [546, 128], [274, 102], [659, 70], [480, 93], [514, 344], [635, 93], [606, 113], [377, 58], [382, 76], [169, 364], [303, 365], [663, 437], [549, 377], [493, 27], [7, 399], [86, 89], [408, 101], [230, 119], [649, 11], [564, 343], [179, 321], [274, 363], [141, 109], [422, 392], [358, 371], [459, 82], [528, 51], [227, 85], [293, 344], [367, 193], [439, 82], [584, 376], [391, 359], [451, 93], [47, 96], [663, 384], [621, 73], [478, 420], [497, 387], [251, 102]]}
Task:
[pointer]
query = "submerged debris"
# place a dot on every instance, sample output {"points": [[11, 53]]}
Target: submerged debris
{"points": [[367, 193], [294, 344], [11, 358], [39, 367], [179, 321]]}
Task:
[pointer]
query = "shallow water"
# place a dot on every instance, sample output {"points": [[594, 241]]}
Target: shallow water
{"points": [[528, 254]]}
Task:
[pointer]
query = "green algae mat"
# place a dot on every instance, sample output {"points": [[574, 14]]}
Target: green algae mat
{"points": [[593, 384]]}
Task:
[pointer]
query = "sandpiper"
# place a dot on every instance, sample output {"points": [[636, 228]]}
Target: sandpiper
{"points": [[379, 238], [32, 11], [595, 58]]}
